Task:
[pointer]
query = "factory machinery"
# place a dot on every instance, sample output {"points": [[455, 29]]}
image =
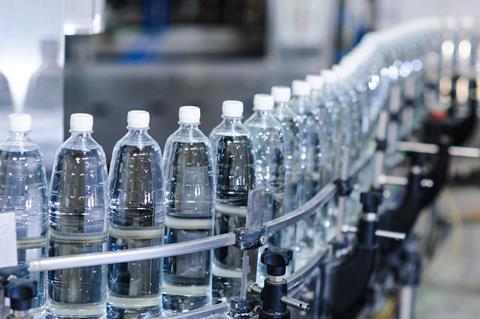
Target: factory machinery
{"points": [[425, 95]]}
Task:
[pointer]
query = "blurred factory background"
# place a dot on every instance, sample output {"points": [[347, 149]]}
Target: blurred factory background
{"points": [[159, 54]]}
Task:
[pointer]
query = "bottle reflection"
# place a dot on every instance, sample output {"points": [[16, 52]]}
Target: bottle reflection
{"points": [[5, 94], [42, 93]]}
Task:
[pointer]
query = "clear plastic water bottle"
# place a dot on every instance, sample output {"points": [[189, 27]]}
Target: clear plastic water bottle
{"points": [[23, 191], [318, 100], [292, 139], [311, 139], [311, 161], [268, 151], [136, 220], [235, 173], [78, 223], [339, 115], [190, 195], [268, 148], [326, 219]]}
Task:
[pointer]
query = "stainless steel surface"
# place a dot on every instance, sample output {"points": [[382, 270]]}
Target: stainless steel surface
{"points": [[406, 302], [392, 180], [380, 155], [378, 232], [250, 256], [295, 303], [215, 311], [456, 151], [31, 68], [341, 199], [393, 126], [467, 152], [417, 147], [112, 257]]}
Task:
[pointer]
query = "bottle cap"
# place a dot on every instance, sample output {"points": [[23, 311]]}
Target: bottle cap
{"points": [[138, 119], [19, 122], [189, 114], [232, 108], [315, 81], [281, 93], [300, 88], [263, 102], [81, 122], [329, 76]]}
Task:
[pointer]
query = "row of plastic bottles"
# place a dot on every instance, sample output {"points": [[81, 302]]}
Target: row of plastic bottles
{"points": [[288, 149]]}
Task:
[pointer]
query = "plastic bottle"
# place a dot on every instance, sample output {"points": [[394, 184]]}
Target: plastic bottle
{"points": [[78, 223], [318, 101], [268, 151], [190, 195], [339, 114], [136, 220], [324, 220], [311, 139], [235, 173], [292, 138], [311, 159], [267, 138], [23, 191]]}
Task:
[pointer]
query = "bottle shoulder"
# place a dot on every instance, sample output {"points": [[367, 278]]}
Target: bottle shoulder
{"points": [[226, 128], [81, 143], [15, 147], [261, 121], [137, 142]]}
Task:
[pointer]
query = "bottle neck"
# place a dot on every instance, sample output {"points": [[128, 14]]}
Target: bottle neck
{"points": [[231, 119], [281, 105], [317, 93], [137, 131], [189, 126], [301, 97], [263, 113], [231, 123], [82, 134], [19, 136]]}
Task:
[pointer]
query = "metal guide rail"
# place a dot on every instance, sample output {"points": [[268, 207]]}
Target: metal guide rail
{"points": [[187, 247]]}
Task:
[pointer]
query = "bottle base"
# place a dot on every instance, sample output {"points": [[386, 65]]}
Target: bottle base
{"points": [[76, 311], [178, 299], [121, 307], [226, 283]]}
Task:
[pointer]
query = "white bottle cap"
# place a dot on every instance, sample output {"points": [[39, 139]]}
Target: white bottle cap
{"points": [[81, 122], [189, 114], [281, 93], [232, 108], [315, 81], [138, 119], [329, 76], [301, 88], [19, 122], [263, 102]]}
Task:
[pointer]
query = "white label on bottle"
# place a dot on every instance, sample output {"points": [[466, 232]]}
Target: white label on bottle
{"points": [[8, 240]]}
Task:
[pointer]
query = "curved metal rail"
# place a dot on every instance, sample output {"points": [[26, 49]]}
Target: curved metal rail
{"points": [[187, 247]]}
